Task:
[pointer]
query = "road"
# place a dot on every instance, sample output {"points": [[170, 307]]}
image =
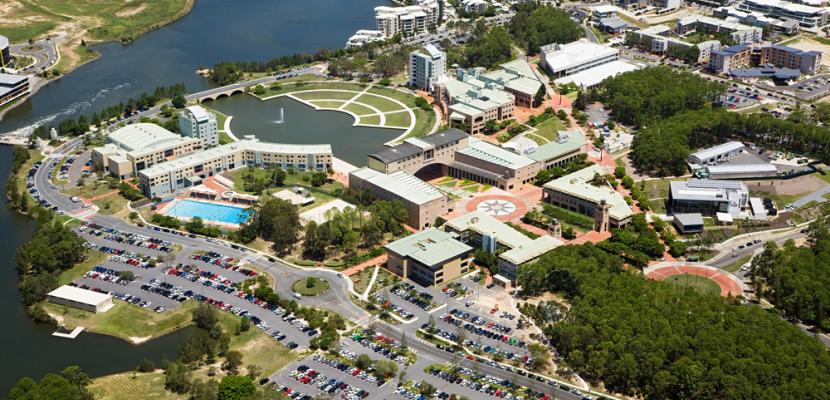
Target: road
{"points": [[336, 299], [253, 82], [46, 54]]}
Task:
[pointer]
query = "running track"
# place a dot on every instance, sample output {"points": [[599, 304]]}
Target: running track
{"points": [[728, 283]]}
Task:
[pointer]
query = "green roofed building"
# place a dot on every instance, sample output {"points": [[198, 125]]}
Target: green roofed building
{"points": [[429, 257]]}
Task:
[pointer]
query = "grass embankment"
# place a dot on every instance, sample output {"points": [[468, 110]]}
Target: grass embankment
{"points": [[735, 265], [94, 257], [87, 20], [126, 321], [313, 288]]}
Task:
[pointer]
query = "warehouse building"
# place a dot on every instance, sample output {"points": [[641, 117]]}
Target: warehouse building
{"points": [[483, 231], [708, 197], [575, 192], [429, 257], [136, 147], [716, 154], [424, 203], [83, 299], [738, 171]]}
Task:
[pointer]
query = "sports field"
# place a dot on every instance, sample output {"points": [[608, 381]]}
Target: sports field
{"points": [[699, 283]]}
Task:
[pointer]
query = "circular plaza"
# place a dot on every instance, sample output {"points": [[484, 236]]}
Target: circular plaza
{"points": [[701, 277]]}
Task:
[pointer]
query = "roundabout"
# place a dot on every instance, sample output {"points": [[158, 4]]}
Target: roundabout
{"points": [[310, 286]]}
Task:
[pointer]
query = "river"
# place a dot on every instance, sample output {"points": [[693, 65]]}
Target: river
{"points": [[215, 30]]}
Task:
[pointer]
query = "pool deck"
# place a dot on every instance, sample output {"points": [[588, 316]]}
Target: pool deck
{"points": [[166, 207]]}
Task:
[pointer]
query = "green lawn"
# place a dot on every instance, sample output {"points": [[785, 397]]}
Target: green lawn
{"points": [[325, 95], [120, 321], [124, 386], [382, 104], [656, 188], [399, 119], [424, 122], [302, 287], [224, 138], [111, 204], [370, 120], [405, 98], [536, 138], [327, 103], [286, 86], [549, 129], [95, 257], [736, 265], [358, 109], [22, 33], [362, 278], [699, 283]]}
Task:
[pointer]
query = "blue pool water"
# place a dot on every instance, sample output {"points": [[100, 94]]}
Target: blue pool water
{"points": [[209, 211]]}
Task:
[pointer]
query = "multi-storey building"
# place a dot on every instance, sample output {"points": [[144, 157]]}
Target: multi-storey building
{"points": [[5, 53], [808, 62], [424, 203], [197, 122], [426, 65], [139, 146], [806, 16], [409, 20], [708, 197], [726, 59], [168, 177], [738, 33], [429, 257], [12, 87], [781, 57], [576, 192], [567, 59]]}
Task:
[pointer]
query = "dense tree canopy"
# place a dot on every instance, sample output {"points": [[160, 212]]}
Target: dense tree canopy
{"points": [[797, 279], [488, 47], [70, 384], [651, 94], [647, 338], [663, 146], [534, 27]]}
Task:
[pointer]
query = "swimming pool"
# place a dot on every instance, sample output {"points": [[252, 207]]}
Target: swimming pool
{"points": [[209, 211]]}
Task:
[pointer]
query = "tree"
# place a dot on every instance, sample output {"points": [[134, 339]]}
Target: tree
{"points": [[204, 316], [178, 101], [146, 365], [385, 369], [314, 245], [318, 179], [540, 95], [533, 27], [236, 387], [244, 325], [177, 377], [279, 222], [205, 390], [233, 360], [278, 176], [363, 362]]}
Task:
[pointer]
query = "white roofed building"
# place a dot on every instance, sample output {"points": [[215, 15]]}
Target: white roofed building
{"points": [[568, 59], [708, 197], [87, 300], [575, 192], [715, 154], [594, 76]]}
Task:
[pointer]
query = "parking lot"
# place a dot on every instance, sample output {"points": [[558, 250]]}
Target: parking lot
{"points": [[809, 89], [737, 98]]}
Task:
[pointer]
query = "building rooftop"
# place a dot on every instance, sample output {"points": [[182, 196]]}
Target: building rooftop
{"points": [[730, 25], [563, 57], [79, 295], [741, 168], [613, 22], [715, 151], [199, 113], [493, 154], [443, 137], [789, 6], [522, 248], [248, 144], [402, 184], [689, 219], [578, 185], [429, 247], [11, 79], [144, 136], [566, 142], [705, 190], [593, 76], [524, 85]]}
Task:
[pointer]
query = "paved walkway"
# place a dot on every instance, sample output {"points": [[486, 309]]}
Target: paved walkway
{"points": [[381, 259], [368, 290]]}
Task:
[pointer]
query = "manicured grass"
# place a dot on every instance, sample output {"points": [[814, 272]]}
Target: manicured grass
{"points": [[399, 119], [95, 257], [282, 87], [301, 287], [129, 386], [358, 109], [256, 346], [121, 320], [694, 282], [224, 138], [536, 138], [361, 279], [90, 190], [384, 279], [325, 95], [382, 104], [424, 122], [327, 103], [405, 98], [549, 129], [111, 204], [370, 120], [656, 188]]}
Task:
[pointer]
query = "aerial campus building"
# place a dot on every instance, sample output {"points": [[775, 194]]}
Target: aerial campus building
{"points": [[426, 65], [583, 63], [483, 231], [409, 20], [429, 257], [776, 58], [164, 179], [708, 197], [756, 18], [716, 154], [136, 147], [197, 122], [82, 299], [807, 16], [661, 39], [12, 87], [576, 192], [5, 53], [424, 203], [738, 33], [474, 97]]}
